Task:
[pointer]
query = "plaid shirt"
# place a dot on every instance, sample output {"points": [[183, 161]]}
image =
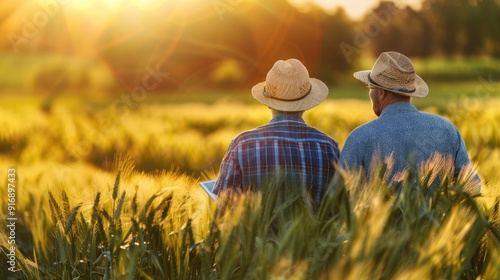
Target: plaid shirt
{"points": [[287, 146]]}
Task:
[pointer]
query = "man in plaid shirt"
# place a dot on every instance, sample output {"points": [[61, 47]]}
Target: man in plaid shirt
{"points": [[286, 150]]}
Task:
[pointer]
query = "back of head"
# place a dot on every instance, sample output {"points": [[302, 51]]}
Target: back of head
{"points": [[394, 72], [289, 88]]}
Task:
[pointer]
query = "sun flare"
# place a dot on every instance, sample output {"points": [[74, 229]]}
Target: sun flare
{"points": [[111, 4]]}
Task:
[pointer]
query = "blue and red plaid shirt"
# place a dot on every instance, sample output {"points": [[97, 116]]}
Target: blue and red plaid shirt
{"points": [[303, 156]]}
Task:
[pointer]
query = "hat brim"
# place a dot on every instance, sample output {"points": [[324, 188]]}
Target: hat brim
{"points": [[421, 88], [318, 93]]}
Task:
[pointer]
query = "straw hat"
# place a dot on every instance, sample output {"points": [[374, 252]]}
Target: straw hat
{"points": [[288, 88], [394, 72]]}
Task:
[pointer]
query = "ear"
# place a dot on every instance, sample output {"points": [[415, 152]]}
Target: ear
{"points": [[382, 93]]}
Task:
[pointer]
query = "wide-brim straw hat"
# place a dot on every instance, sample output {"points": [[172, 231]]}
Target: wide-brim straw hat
{"points": [[394, 72], [288, 88]]}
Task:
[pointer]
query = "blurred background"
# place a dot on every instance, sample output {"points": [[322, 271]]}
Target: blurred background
{"points": [[83, 81], [112, 106], [97, 47]]}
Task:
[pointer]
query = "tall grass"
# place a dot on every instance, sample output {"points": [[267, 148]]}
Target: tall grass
{"points": [[192, 138], [95, 215], [363, 229], [123, 230]]}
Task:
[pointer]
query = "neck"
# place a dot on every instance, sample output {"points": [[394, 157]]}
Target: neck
{"points": [[278, 113], [393, 98]]}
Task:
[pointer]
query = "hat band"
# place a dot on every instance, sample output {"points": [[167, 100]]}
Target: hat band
{"points": [[266, 94], [391, 89]]}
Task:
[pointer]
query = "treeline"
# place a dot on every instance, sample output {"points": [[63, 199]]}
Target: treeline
{"points": [[236, 42], [442, 27], [231, 44]]}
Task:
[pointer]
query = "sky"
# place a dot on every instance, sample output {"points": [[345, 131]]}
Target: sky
{"points": [[355, 8]]}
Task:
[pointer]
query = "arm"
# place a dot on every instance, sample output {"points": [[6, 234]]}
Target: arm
{"points": [[230, 173], [351, 154]]}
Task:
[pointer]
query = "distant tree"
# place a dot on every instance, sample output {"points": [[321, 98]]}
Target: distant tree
{"points": [[406, 31], [489, 13], [418, 41], [337, 29], [386, 31], [475, 31], [465, 27]]}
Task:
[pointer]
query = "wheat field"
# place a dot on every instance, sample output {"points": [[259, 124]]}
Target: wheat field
{"points": [[103, 193]]}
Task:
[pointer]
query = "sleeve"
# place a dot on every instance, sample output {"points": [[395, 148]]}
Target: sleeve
{"points": [[230, 173], [351, 154]]}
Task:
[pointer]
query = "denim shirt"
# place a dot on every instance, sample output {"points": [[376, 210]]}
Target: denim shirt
{"points": [[411, 136]]}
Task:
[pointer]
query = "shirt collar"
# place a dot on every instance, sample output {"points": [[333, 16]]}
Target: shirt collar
{"points": [[397, 107], [287, 117]]}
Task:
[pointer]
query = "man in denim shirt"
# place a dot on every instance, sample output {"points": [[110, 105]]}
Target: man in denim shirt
{"points": [[286, 152], [401, 135]]}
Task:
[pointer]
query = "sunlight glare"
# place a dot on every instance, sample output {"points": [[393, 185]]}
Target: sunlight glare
{"points": [[110, 4], [355, 8]]}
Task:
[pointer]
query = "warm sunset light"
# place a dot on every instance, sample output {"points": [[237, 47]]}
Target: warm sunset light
{"points": [[117, 4], [250, 139], [354, 8]]}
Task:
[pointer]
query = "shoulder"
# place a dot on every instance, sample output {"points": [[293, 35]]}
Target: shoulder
{"points": [[243, 137], [320, 136], [252, 133], [366, 130], [434, 117], [437, 120]]}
